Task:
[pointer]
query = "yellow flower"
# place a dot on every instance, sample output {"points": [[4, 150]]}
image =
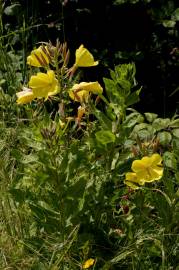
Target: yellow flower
{"points": [[80, 92], [148, 169], [39, 57], [88, 263], [84, 58], [44, 84], [25, 96]]}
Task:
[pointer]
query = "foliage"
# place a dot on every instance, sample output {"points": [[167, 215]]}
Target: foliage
{"points": [[65, 204]]}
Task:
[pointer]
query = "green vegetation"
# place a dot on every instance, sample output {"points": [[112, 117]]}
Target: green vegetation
{"points": [[68, 146]]}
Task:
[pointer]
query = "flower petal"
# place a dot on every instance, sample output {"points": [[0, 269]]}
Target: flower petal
{"points": [[156, 159], [88, 263], [44, 84], [131, 185], [24, 97], [138, 165], [84, 58], [80, 92], [39, 57]]}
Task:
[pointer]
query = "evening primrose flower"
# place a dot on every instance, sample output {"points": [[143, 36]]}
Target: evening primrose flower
{"points": [[80, 92], [44, 84], [148, 169], [39, 57], [25, 96], [84, 58], [88, 263]]}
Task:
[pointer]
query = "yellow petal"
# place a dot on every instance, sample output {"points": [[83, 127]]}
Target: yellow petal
{"points": [[80, 96], [93, 87], [44, 84], [131, 185], [134, 178], [139, 165], [32, 61], [84, 58], [24, 97], [156, 159], [88, 263], [130, 176], [154, 174], [39, 57], [80, 92]]}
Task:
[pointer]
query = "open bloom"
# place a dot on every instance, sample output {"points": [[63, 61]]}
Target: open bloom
{"points": [[88, 263], [80, 92], [84, 58], [25, 96], [39, 57], [44, 84], [148, 169]]}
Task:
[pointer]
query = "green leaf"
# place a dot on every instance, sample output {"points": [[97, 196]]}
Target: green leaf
{"points": [[121, 256], [105, 137], [110, 88], [174, 123], [175, 132], [169, 23], [164, 138], [177, 178], [133, 118], [170, 160], [103, 119], [150, 117], [12, 9], [133, 98], [175, 15], [161, 123], [144, 131]]}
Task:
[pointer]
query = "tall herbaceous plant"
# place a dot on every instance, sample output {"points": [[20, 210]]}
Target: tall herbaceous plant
{"points": [[97, 180]]}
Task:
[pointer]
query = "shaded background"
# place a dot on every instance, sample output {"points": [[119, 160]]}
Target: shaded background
{"points": [[116, 32]]}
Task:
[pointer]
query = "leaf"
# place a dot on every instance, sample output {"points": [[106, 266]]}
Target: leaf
{"points": [[121, 256], [170, 160], [175, 15], [105, 137], [110, 87], [169, 23], [31, 158], [133, 98], [143, 130], [150, 117], [174, 123], [161, 123], [164, 138], [133, 118], [12, 9], [103, 119], [175, 132]]}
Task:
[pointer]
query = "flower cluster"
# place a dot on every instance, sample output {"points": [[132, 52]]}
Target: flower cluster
{"points": [[148, 169], [46, 84]]}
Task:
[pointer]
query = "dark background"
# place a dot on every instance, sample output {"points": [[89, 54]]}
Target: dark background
{"points": [[116, 32]]}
